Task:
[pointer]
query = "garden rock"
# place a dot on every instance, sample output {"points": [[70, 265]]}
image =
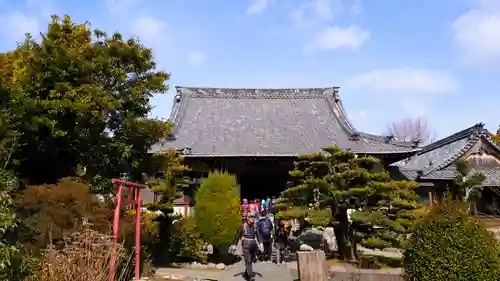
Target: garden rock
{"points": [[220, 266], [329, 240], [392, 250], [305, 247], [312, 237], [212, 265], [196, 265]]}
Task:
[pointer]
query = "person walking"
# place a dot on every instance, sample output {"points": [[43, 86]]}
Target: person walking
{"points": [[257, 206], [281, 240], [249, 237], [252, 207], [271, 208], [265, 232], [244, 210]]}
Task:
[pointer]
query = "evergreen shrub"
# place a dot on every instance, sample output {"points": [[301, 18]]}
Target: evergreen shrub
{"points": [[187, 244], [217, 211], [447, 244]]}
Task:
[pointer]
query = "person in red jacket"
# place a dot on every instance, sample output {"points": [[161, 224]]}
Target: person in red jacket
{"points": [[252, 208], [244, 209]]}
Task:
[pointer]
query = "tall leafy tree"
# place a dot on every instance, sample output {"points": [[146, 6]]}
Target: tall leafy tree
{"points": [[11, 263], [81, 99], [340, 180]]}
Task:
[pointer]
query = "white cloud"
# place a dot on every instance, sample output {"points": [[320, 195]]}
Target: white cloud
{"points": [[148, 29], [477, 32], [15, 25], [335, 37], [315, 18], [405, 81], [257, 7], [196, 57], [316, 12]]}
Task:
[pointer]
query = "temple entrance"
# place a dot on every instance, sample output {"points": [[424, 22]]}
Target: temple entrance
{"points": [[262, 184], [262, 178], [258, 177]]}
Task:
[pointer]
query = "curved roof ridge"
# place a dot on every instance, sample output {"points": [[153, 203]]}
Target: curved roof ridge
{"points": [[474, 133], [342, 113], [388, 139], [475, 129], [177, 112], [255, 93], [251, 88]]}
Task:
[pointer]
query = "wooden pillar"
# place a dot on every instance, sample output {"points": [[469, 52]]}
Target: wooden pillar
{"points": [[312, 266], [137, 233], [431, 199], [133, 188]]}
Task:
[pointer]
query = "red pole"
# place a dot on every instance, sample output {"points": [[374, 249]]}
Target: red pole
{"points": [[116, 224], [138, 233]]}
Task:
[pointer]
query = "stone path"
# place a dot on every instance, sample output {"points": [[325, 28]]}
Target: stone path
{"points": [[264, 272]]}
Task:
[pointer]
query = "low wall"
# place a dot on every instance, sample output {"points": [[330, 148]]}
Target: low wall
{"points": [[365, 275], [343, 273]]}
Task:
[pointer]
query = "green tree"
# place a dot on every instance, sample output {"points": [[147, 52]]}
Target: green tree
{"points": [[81, 100], [217, 210], [496, 137], [169, 183], [12, 266], [467, 185], [340, 180], [449, 245]]}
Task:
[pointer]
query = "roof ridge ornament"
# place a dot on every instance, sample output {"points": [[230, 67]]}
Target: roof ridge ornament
{"points": [[389, 138], [336, 95], [416, 143], [354, 136]]}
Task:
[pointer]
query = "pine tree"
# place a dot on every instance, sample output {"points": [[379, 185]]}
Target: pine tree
{"points": [[340, 180], [171, 183], [496, 137], [467, 184]]}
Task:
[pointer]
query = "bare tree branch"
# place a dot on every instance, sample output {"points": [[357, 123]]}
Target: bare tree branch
{"points": [[411, 130]]}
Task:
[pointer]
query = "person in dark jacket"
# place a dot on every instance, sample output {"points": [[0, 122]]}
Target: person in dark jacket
{"points": [[281, 240], [249, 237], [265, 232]]}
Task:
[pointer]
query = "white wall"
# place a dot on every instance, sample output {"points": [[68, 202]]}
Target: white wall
{"points": [[179, 210]]}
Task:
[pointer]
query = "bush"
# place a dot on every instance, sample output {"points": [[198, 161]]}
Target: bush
{"points": [[47, 212], [149, 237], [187, 244], [217, 210], [449, 245], [13, 266], [84, 257]]}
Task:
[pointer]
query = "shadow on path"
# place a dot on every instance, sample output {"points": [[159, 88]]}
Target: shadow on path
{"points": [[263, 272]]}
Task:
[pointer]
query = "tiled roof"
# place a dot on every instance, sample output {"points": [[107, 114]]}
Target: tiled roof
{"points": [[266, 122], [436, 160]]}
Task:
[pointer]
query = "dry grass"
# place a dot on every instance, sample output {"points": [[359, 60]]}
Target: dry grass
{"points": [[84, 256]]}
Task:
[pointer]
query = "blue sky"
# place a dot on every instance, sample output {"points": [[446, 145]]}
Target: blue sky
{"points": [[392, 59]]}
